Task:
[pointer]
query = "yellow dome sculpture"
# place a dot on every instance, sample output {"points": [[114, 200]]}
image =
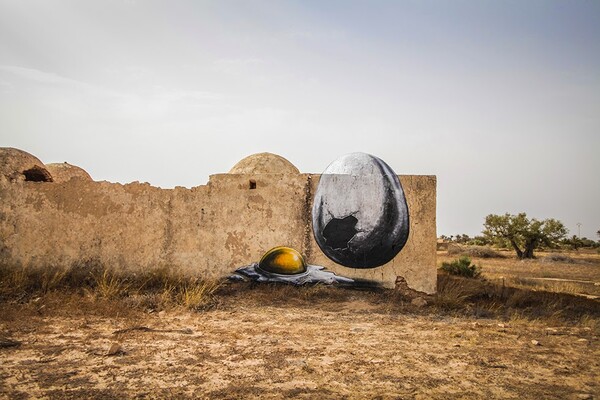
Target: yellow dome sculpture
{"points": [[282, 260]]}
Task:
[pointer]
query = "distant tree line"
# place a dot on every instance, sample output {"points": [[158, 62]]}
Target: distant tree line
{"points": [[523, 235]]}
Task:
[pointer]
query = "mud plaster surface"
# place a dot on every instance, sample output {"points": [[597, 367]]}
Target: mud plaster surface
{"points": [[206, 231]]}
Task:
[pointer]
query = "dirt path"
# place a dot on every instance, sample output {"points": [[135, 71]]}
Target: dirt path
{"points": [[350, 349]]}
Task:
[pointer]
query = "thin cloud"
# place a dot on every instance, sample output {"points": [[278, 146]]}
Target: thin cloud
{"points": [[85, 98], [50, 78]]}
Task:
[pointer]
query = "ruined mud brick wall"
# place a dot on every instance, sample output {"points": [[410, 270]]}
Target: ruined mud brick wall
{"points": [[206, 231]]}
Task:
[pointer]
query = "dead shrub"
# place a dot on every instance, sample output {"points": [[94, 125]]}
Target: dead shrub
{"points": [[474, 251], [557, 258]]}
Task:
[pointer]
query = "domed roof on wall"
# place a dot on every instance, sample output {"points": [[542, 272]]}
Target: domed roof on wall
{"points": [[63, 172], [264, 163], [18, 165]]}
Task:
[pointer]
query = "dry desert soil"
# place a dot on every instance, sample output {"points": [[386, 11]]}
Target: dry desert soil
{"points": [[286, 342]]}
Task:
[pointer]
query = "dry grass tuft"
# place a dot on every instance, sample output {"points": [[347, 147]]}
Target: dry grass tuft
{"points": [[52, 279], [196, 294], [110, 286], [13, 280], [158, 289], [588, 321], [454, 293]]}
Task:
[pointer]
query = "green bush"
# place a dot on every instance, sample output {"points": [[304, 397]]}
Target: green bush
{"points": [[462, 267]]}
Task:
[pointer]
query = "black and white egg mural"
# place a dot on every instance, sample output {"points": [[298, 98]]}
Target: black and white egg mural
{"points": [[359, 218], [360, 215]]}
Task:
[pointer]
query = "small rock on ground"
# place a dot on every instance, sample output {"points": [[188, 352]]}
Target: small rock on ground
{"points": [[419, 302], [114, 349]]}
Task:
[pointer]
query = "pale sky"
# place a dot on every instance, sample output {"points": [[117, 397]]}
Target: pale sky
{"points": [[499, 99]]}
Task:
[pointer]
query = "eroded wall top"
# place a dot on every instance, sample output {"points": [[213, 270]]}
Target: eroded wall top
{"points": [[18, 166], [207, 231], [63, 172]]}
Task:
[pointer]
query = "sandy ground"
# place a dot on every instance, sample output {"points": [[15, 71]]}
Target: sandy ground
{"points": [[250, 347]]}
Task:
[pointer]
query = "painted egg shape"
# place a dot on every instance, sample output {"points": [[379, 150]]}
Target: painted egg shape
{"points": [[360, 215], [282, 260]]}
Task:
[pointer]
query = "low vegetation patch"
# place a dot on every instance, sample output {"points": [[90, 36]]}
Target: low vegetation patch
{"points": [[474, 251], [578, 287], [557, 257], [460, 291], [461, 267], [157, 289], [494, 299]]}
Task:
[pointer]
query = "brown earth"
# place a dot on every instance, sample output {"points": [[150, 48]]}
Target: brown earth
{"points": [[286, 342]]}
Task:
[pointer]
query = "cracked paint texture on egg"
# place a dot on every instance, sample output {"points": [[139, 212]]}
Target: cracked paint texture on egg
{"points": [[360, 216]]}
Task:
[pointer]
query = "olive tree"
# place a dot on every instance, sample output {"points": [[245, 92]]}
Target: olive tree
{"points": [[522, 233]]}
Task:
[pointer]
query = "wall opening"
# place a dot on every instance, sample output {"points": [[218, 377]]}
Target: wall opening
{"points": [[252, 184], [37, 174]]}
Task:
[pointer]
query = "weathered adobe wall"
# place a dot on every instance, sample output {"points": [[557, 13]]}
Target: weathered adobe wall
{"points": [[207, 231]]}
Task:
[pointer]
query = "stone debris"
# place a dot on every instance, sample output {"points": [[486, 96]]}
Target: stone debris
{"points": [[419, 302], [185, 331], [535, 342], [557, 331], [6, 342], [114, 350], [298, 363]]}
